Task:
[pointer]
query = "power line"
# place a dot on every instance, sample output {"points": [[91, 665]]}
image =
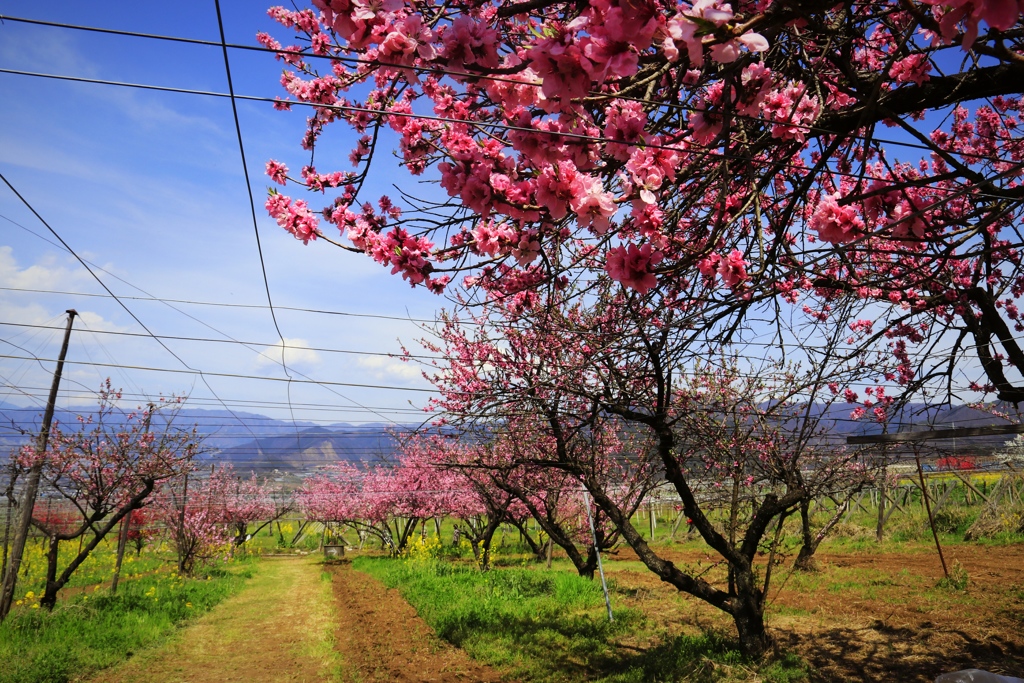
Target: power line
{"points": [[434, 70], [252, 202], [101, 283], [706, 150], [468, 323], [192, 371], [198, 401], [169, 305], [294, 347], [224, 304]]}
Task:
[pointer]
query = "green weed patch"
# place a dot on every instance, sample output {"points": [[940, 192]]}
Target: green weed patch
{"points": [[551, 626], [94, 629]]}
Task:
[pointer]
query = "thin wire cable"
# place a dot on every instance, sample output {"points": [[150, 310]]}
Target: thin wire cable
{"points": [[134, 317], [194, 371], [224, 304], [196, 401], [191, 317], [433, 70], [252, 205], [229, 341], [708, 151]]}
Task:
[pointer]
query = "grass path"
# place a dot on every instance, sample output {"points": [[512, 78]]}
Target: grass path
{"points": [[280, 627]]}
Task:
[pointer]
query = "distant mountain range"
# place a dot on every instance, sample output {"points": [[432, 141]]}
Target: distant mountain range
{"points": [[256, 442], [246, 440]]}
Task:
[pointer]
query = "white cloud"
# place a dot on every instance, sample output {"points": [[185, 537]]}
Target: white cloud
{"points": [[383, 368], [294, 353], [48, 274]]}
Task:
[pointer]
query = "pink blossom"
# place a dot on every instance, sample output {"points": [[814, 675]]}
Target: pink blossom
{"points": [[914, 68], [733, 268], [632, 266], [625, 121], [649, 168], [562, 67], [792, 110], [593, 206], [409, 40], [470, 41], [708, 266], [278, 172], [295, 217], [834, 223], [555, 188], [681, 30], [954, 14], [729, 51]]}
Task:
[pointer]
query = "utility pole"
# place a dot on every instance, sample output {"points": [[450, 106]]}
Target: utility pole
{"points": [[28, 498]]}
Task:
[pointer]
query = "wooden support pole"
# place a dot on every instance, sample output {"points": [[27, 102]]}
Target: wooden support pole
{"points": [[28, 499]]}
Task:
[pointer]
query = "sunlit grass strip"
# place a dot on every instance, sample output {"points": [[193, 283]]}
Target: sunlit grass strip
{"points": [[550, 625], [94, 630]]}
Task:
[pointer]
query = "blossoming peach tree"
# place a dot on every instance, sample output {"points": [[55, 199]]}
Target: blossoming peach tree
{"points": [[98, 474], [705, 174], [589, 397], [206, 516]]}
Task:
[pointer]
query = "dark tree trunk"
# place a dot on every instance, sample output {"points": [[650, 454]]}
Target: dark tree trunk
{"points": [[49, 598], [805, 559], [748, 615], [536, 548]]}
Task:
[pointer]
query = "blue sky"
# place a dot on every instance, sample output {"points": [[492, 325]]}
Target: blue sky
{"points": [[149, 186]]}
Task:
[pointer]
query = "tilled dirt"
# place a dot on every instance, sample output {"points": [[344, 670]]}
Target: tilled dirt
{"points": [[874, 616], [381, 638]]}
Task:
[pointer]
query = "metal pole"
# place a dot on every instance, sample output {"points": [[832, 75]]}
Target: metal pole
{"points": [[28, 498], [600, 567], [928, 508]]}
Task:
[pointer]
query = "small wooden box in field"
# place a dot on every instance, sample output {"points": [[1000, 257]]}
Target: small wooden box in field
{"points": [[334, 552]]}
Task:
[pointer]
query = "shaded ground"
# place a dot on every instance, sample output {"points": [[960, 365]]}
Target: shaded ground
{"points": [[278, 628], [872, 617], [382, 638]]}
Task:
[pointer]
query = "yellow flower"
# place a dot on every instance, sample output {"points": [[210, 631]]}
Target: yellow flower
{"points": [[30, 595], [35, 606], [188, 604]]}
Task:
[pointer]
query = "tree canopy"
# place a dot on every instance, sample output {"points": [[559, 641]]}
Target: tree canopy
{"points": [[717, 158]]}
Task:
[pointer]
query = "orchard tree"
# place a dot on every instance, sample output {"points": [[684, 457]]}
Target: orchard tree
{"points": [[141, 529], [242, 502], [383, 501], [704, 177], [97, 476], [467, 492], [189, 511], [206, 516], [726, 437]]}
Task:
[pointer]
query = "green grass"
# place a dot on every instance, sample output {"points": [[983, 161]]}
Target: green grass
{"points": [[551, 626], [95, 629]]}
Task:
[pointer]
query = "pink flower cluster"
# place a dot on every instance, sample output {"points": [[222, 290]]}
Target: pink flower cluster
{"points": [[732, 268], [633, 266], [293, 216], [834, 223]]}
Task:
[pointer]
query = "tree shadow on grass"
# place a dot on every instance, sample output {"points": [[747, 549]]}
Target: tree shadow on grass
{"points": [[883, 652], [582, 647]]}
